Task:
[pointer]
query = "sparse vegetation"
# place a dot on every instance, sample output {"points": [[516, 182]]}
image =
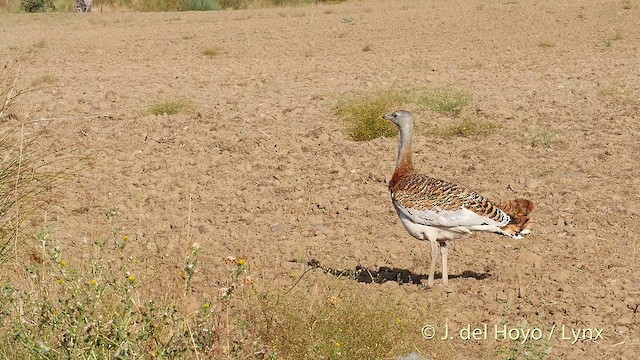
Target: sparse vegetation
{"points": [[336, 323], [348, 20], [38, 45], [104, 306], [27, 173], [363, 114], [169, 107], [445, 101], [615, 37], [47, 79], [469, 125], [550, 139], [202, 5], [156, 5], [34, 6], [234, 4], [545, 44], [618, 95], [211, 52]]}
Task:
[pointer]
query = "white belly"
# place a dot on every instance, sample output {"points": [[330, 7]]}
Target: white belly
{"points": [[432, 233]]}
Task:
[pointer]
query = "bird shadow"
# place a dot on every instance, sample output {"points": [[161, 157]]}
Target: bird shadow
{"points": [[384, 274]]}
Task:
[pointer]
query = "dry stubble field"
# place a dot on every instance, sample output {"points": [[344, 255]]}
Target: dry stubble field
{"points": [[259, 166]]}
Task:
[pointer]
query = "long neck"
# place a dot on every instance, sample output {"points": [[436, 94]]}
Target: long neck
{"points": [[404, 165]]}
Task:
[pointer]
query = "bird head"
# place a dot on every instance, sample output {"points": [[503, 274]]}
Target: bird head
{"points": [[402, 118]]}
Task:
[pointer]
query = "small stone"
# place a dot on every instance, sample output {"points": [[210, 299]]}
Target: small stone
{"points": [[574, 174], [323, 137], [529, 258], [278, 228], [532, 184], [504, 114], [621, 330], [625, 320], [561, 276]]}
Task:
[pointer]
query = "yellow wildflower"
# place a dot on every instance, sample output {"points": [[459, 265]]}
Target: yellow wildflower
{"points": [[131, 278], [94, 282], [63, 263], [242, 262], [59, 281], [125, 238]]}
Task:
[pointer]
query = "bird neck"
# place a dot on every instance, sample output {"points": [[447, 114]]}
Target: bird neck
{"points": [[404, 164]]}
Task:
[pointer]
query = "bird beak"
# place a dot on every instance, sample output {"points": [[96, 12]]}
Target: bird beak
{"points": [[388, 116]]}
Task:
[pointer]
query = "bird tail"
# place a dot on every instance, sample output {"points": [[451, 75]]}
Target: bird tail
{"points": [[518, 210]]}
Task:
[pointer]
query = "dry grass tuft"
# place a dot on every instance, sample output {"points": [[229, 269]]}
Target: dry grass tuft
{"points": [[467, 126], [342, 321], [545, 44], [212, 52], [549, 139], [446, 101], [169, 107], [363, 114]]}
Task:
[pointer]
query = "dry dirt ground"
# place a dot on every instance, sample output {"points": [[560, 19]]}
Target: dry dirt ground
{"points": [[273, 177]]}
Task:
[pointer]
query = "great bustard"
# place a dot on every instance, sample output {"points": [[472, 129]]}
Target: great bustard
{"points": [[438, 211]]}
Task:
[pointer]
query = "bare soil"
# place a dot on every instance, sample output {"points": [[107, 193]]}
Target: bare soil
{"points": [[261, 166]]}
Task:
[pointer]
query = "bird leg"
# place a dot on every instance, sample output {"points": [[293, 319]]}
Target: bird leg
{"points": [[435, 247], [445, 271]]}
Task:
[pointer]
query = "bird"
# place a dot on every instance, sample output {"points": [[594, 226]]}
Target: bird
{"points": [[439, 211]]}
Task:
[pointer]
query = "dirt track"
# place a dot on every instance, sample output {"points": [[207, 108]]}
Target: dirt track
{"points": [[272, 176]]}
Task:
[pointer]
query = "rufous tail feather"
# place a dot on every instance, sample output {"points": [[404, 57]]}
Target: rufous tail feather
{"points": [[518, 210]]}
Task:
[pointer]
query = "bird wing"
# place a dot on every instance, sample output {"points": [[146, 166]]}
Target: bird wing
{"points": [[437, 217], [434, 202]]}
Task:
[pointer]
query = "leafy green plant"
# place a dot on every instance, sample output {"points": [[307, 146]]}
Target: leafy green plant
{"points": [[363, 114]]}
